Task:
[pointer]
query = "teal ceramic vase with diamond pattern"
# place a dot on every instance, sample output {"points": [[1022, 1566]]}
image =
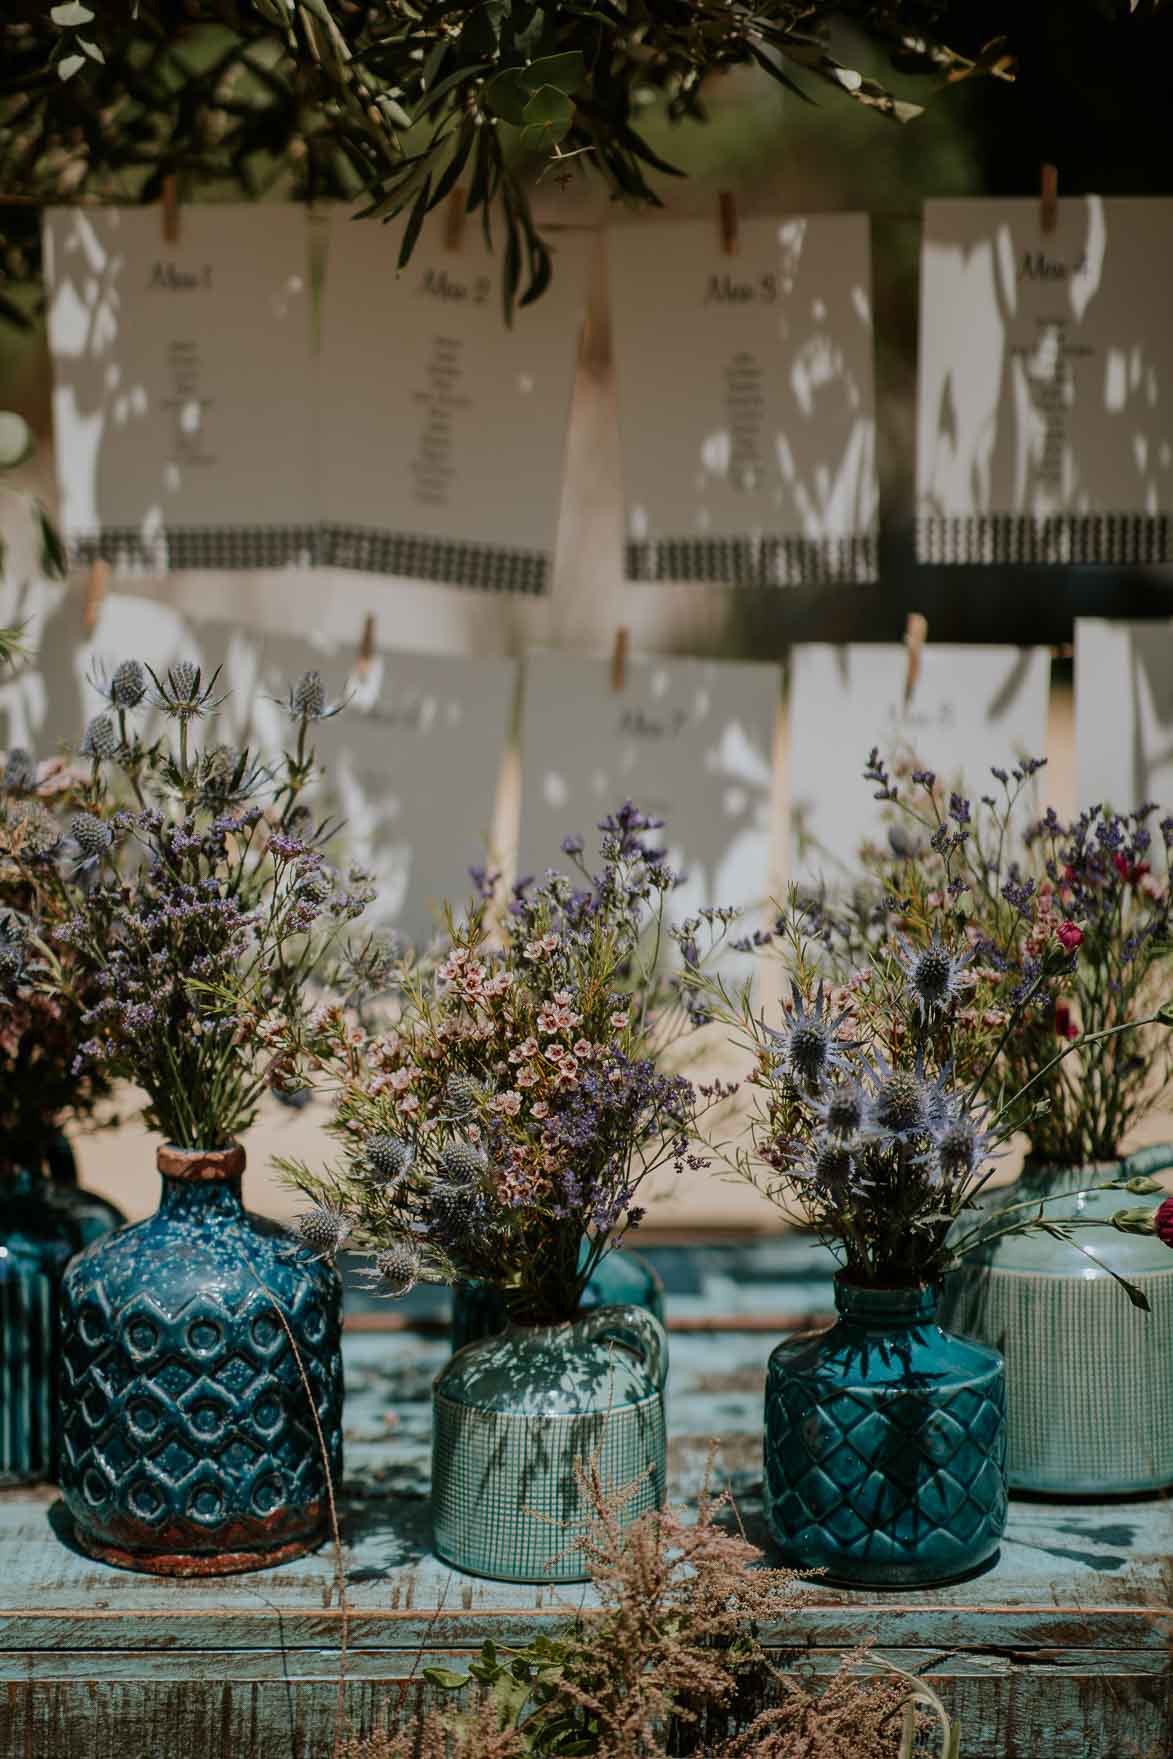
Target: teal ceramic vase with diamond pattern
{"points": [[885, 1453], [191, 1344], [518, 1416]]}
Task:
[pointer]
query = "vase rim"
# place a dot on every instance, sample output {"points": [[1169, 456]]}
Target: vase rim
{"points": [[885, 1302], [200, 1166]]}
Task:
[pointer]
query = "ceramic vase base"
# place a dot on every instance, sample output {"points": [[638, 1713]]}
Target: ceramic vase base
{"points": [[893, 1576], [202, 1563], [551, 1577]]}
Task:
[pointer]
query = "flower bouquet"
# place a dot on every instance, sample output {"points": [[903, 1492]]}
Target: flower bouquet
{"points": [[885, 1438], [500, 1131], [201, 1379], [1002, 890]]}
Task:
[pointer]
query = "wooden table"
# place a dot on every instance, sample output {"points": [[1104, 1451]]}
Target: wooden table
{"points": [[1061, 1651]]}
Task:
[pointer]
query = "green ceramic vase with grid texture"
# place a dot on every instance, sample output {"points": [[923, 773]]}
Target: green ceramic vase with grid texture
{"points": [[518, 1416], [1089, 1376]]}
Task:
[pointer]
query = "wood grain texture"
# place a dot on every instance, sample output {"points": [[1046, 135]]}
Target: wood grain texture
{"points": [[1059, 1652]]}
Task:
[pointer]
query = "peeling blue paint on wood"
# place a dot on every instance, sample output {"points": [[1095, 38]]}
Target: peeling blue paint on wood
{"points": [[1059, 1652]]}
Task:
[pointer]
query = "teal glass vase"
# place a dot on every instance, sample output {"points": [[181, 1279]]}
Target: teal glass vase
{"points": [[201, 1383], [520, 1415], [1089, 1375], [885, 1446], [37, 1240], [622, 1279]]}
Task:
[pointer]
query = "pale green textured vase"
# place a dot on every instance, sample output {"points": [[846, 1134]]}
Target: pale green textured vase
{"points": [[1089, 1376], [516, 1419]]}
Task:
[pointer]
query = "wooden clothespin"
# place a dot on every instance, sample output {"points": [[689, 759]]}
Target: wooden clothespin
{"points": [[97, 580], [366, 646], [170, 198], [454, 219], [916, 629], [619, 659], [1049, 197], [727, 213]]}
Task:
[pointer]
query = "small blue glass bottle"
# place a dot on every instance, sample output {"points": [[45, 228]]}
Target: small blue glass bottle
{"points": [[885, 1446], [623, 1279], [191, 1345], [37, 1241], [94, 1216]]}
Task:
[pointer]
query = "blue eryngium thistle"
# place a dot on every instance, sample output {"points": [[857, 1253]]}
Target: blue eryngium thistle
{"points": [[20, 771], [307, 700], [387, 1157], [830, 1163], [961, 1146], [932, 975], [392, 1273], [100, 739], [808, 1045], [842, 1110], [905, 1106], [182, 694], [323, 1229]]}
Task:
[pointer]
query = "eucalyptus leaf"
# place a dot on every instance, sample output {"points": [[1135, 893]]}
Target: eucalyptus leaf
{"points": [[69, 65], [547, 118], [70, 16], [564, 72], [507, 96]]}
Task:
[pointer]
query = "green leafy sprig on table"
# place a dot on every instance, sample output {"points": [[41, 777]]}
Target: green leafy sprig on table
{"points": [[405, 102]]}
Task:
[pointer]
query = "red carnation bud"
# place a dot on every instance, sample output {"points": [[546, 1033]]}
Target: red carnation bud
{"points": [[1163, 1222], [1070, 935], [1130, 871]]}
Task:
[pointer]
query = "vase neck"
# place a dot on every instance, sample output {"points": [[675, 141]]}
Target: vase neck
{"points": [[200, 1181], [1059, 1178], [182, 1197], [886, 1309]]}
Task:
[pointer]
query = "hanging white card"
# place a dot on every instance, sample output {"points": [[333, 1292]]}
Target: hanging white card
{"points": [[746, 400], [970, 708], [688, 741], [183, 390], [1124, 714], [411, 766], [443, 430], [1046, 382]]}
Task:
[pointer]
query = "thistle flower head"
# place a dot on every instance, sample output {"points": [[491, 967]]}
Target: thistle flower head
{"points": [[20, 771], [128, 686], [932, 975], [316, 885], [808, 1045], [325, 1230], [460, 1094], [183, 694], [307, 700], [388, 1157], [394, 1272], [961, 1146], [462, 1163], [452, 1209], [100, 739], [905, 1104], [90, 834], [11, 951], [829, 1162], [842, 1110], [37, 831]]}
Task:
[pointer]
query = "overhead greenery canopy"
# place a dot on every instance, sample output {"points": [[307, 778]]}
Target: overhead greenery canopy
{"points": [[405, 101]]}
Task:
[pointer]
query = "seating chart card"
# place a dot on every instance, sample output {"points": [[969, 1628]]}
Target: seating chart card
{"points": [[688, 741], [970, 708], [746, 400], [1046, 382], [183, 406], [412, 765], [1124, 715], [443, 431]]}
